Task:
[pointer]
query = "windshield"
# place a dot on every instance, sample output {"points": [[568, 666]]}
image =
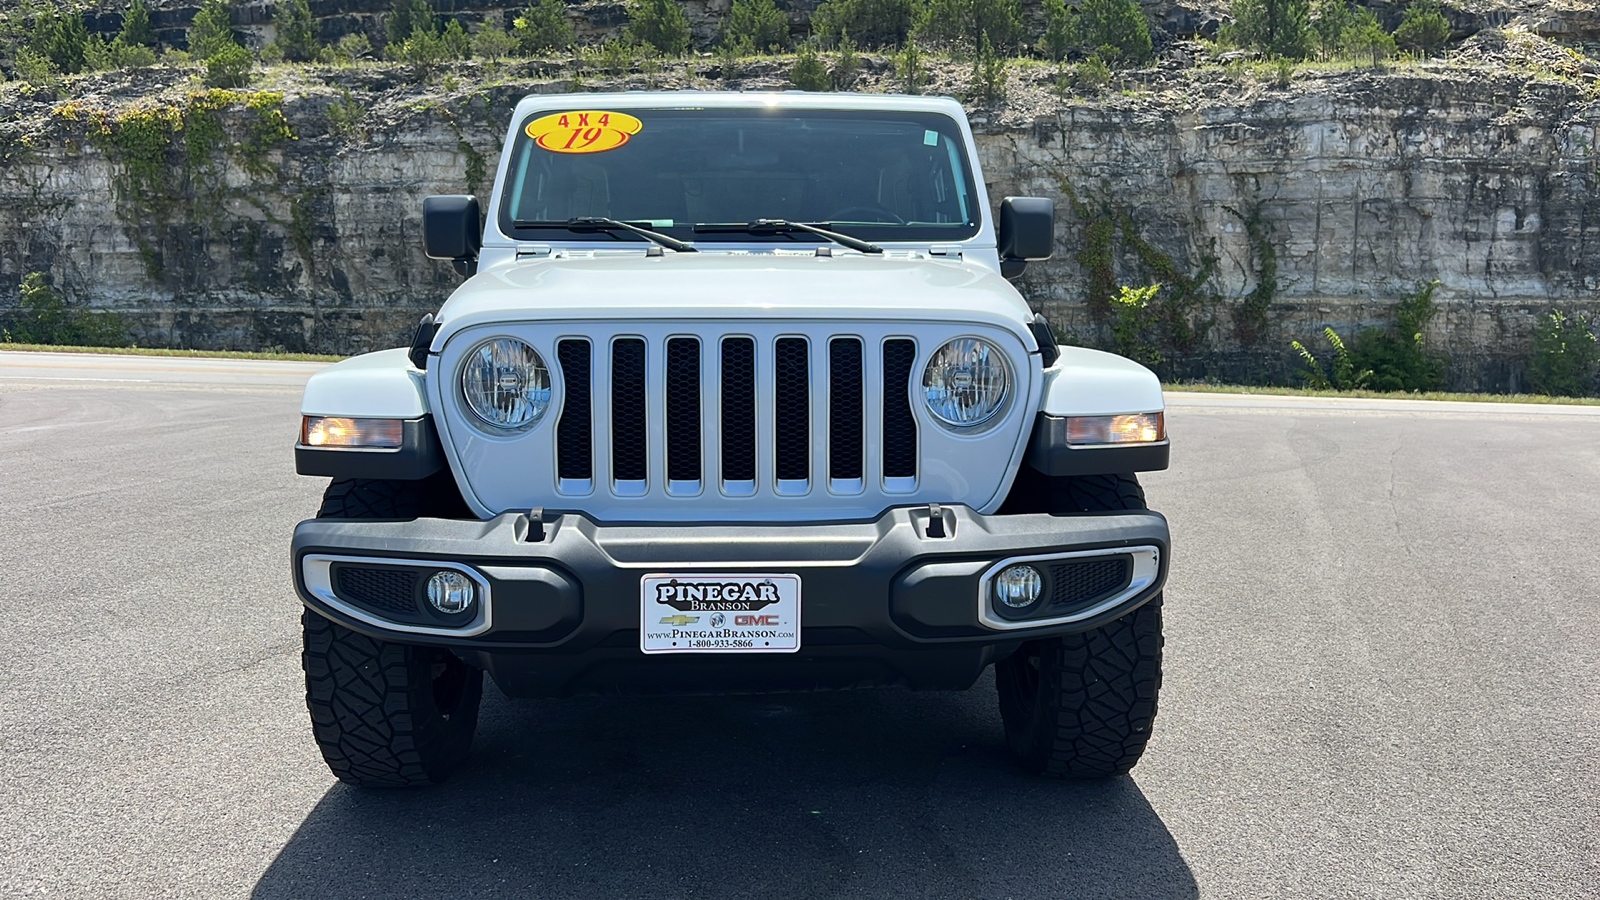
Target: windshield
{"points": [[876, 174]]}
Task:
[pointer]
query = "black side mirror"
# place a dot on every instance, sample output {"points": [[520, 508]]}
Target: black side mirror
{"points": [[452, 228], [1027, 232]]}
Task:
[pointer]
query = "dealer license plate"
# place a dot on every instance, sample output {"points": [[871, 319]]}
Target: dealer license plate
{"points": [[711, 613]]}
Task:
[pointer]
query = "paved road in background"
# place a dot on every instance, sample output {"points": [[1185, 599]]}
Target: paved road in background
{"points": [[1383, 680]]}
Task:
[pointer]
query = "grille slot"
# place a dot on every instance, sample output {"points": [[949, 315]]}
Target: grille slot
{"points": [[899, 428], [792, 414], [1081, 582], [846, 414], [386, 589], [683, 414], [574, 433], [739, 415], [629, 430]]}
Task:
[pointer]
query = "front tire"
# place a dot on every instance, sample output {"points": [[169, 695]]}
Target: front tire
{"points": [[1082, 706], [386, 714]]}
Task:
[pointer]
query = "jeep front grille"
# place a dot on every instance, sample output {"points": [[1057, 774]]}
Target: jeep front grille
{"points": [[749, 419], [692, 396]]}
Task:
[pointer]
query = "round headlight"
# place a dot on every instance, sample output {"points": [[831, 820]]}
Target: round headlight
{"points": [[505, 383], [966, 382]]}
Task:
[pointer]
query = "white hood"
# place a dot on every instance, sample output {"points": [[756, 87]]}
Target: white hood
{"points": [[727, 286]]}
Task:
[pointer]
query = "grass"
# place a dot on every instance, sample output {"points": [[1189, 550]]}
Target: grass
{"points": [[161, 351], [1205, 388]]}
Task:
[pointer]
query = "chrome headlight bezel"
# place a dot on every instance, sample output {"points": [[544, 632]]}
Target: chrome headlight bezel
{"points": [[505, 374], [940, 396]]}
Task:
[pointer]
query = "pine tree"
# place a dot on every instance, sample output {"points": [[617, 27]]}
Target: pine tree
{"points": [[543, 26], [297, 31], [1276, 27], [136, 31], [407, 18], [659, 23], [756, 24], [212, 29], [63, 40], [969, 23], [1116, 30], [1424, 28]]}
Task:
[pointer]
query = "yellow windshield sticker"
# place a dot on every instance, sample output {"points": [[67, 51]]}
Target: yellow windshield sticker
{"points": [[585, 131]]}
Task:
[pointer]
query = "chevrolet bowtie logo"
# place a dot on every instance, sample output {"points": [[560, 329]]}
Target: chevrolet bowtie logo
{"points": [[679, 620]]}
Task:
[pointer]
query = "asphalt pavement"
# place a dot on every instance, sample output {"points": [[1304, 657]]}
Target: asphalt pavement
{"points": [[1382, 680]]}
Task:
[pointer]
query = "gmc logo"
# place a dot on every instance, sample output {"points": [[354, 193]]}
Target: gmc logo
{"points": [[755, 620]]}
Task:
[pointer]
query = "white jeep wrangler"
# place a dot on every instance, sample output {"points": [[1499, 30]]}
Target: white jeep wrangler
{"points": [[735, 398]]}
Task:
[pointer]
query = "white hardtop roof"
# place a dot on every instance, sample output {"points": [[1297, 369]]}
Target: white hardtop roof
{"points": [[736, 99]]}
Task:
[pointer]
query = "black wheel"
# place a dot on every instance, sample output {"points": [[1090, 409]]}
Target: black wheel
{"points": [[1081, 706], [386, 714]]}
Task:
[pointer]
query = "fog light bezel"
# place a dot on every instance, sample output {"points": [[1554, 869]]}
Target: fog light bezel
{"points": [[1146, 574], [316, 574]]}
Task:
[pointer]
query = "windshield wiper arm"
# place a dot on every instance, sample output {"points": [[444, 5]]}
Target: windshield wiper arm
{"points": [[779, 226], [600, 223]]}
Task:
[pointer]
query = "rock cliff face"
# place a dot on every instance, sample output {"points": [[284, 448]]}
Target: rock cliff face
{"points": [[254, 219]]}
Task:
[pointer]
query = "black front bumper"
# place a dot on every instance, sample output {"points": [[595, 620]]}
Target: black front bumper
{"points": [[884, 602]]}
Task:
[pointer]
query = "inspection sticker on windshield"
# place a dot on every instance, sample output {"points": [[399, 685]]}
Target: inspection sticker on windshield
{"points": [[583, 131], [710, 613]]}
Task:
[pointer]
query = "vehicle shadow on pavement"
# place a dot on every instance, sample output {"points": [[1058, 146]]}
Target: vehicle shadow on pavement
{"points": [[860, 794]]}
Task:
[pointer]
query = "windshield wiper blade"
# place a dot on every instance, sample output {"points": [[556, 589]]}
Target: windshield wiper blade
{"points": [[600, 223], [779, 226]]}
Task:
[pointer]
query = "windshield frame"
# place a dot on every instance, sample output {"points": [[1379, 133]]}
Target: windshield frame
{"points": [[951, 129]]}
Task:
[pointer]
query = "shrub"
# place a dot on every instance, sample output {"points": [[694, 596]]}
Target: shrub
{"points": [[809, 74], [424, 51], [542, 26], [1398, 356], [346, 114], [968, 24], [1343, 376], [297, 31], [350, 48], [659, 23], [873, 23], [1423, 29], [47, 318], [1130, 324], [33, 67], [1116, 30], [211, 30], [1565, 356], [493, 43], [1091, 76], [229, 67], [755, 23], [1275, 27]]}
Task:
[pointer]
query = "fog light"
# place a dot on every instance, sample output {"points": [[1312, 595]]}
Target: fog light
{"points": [[1018, 587], [450, 592]]}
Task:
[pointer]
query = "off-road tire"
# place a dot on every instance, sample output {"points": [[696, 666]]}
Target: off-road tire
{"points": [[385, 714], [1082, 706]]}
